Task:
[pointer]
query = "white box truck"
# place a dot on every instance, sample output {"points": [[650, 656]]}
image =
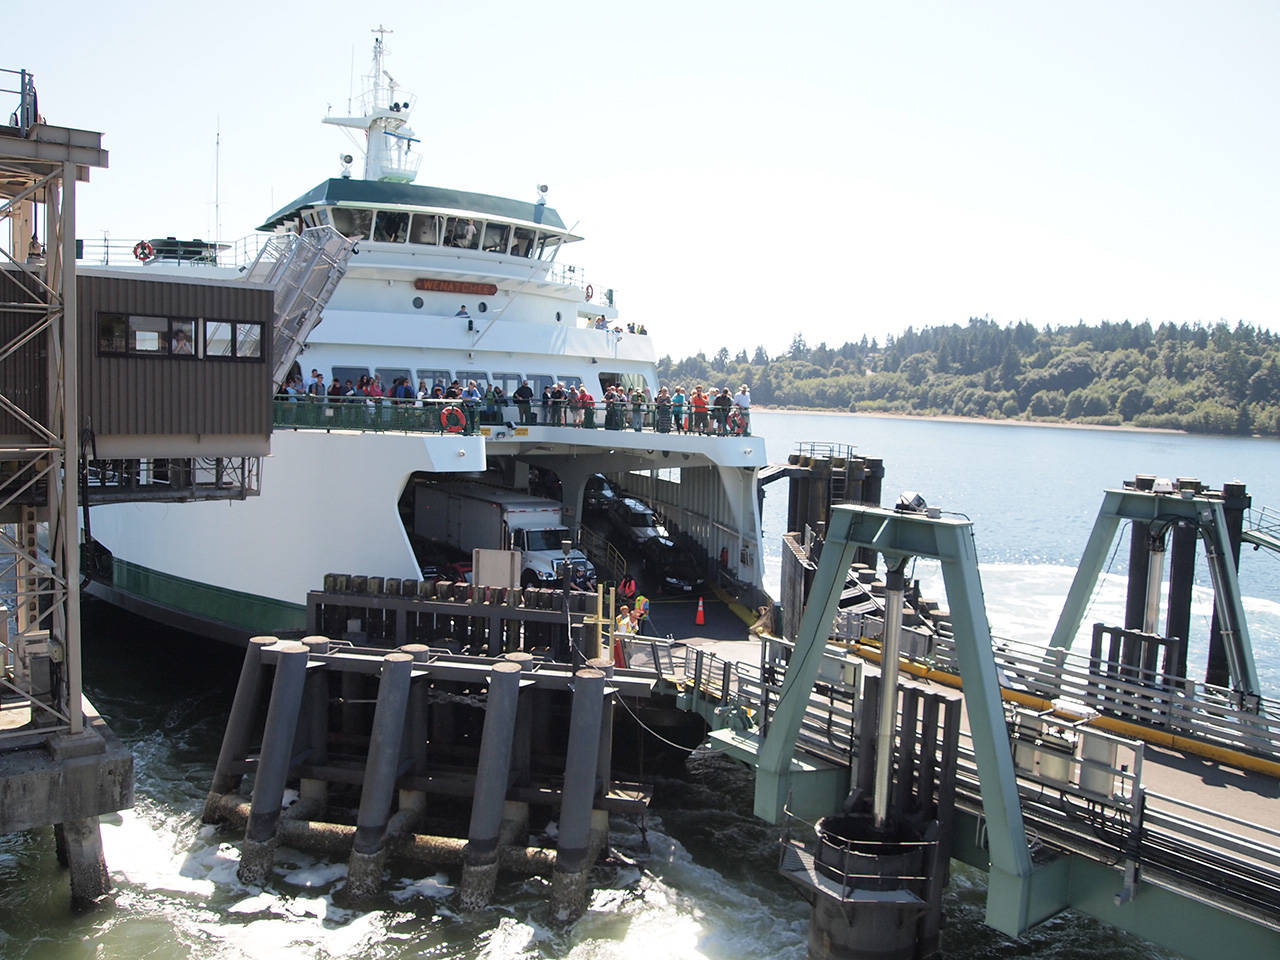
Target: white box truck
{"points": [[469, 516]]}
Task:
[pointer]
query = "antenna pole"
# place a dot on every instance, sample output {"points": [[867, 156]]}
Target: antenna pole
{"points": [[217, 183]]}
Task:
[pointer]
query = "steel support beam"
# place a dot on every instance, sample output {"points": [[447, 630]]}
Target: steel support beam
{"points": [[1142, 507]]}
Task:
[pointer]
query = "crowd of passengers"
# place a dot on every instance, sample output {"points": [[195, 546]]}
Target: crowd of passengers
{"points": [[702, 412]]}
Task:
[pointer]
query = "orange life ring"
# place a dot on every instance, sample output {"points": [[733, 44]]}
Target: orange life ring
{"points": [[590, 292], [452, 419], [143, 250]]}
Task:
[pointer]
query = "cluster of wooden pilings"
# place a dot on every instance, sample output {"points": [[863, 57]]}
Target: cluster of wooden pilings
{"points": [[386, 732], [456, 616]]}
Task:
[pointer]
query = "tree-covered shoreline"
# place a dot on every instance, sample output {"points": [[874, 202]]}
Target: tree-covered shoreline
{"points": [[1202, 379]]}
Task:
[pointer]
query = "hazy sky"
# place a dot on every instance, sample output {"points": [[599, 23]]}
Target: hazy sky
{"points": [[741, 171]]}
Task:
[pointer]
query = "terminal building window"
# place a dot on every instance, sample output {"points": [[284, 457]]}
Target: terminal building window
{"points": [[139, 335], [224, 340]]}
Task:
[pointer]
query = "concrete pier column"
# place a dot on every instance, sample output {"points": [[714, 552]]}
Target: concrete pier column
{"points": [[258, 850], [493, 775], [569, 883], [364, 868], [235, 739], [81, 840]]}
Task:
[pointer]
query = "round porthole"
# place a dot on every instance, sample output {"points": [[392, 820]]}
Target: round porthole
{"points": [[483, 306], [557, 316], [417, 303]]}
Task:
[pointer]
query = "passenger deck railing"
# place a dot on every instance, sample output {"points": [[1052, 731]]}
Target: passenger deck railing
{"points": [[381, 414], [27, 113], [171, 252]]}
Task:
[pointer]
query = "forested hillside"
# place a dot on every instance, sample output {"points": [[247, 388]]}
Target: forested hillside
{"points": [[1218, 379]]}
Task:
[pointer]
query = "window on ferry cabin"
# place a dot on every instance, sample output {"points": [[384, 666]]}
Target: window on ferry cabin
{"points": [[425, 228], [628, 381], [432, 377], [481, 378], [539, 382], [547, 247], [522, 240], [457, 234], [343, 374], [509, 382], [569, 380], [353, 223], [390, 375], [391, 226], [495, 237]]}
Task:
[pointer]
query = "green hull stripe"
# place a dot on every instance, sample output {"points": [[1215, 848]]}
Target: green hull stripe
{"points": [[257, 615]]}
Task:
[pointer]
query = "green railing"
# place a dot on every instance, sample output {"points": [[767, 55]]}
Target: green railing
{"points": [[456, 416]]}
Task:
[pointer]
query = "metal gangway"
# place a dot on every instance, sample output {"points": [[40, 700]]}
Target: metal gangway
{"points": [[1262, 528], [303, 269], [1144, 799]]}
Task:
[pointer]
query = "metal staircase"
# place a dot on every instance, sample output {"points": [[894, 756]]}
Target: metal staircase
{"points": [[1262, 529], [304, 269]]}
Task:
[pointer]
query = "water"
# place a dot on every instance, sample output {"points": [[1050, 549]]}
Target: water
{"points": [[701, 884]]}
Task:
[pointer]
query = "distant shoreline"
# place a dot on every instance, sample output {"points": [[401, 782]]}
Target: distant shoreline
{"points": [[952, 418]]}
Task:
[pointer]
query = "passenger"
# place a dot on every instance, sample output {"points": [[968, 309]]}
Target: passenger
{"points": [[524, 400], [587, 408], [462, 312], [663, 405], [454, 392], [558, 398], [642, 331], [375, 387], [742, 403], [181, 343], [677, 409], [336, 390], [575, 409], [317, 390], [722, 403], [637, 409], [699, 403], [349, 390]]}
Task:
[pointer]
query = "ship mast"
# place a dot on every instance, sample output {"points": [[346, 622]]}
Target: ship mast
{"points": [[389, 152]]}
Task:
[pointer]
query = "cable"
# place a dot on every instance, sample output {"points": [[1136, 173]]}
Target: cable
{"points": [[649, 730]]}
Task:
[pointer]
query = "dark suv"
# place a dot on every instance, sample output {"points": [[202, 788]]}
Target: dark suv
{"points": [[598, 495], [633, 522], [670, 568]]}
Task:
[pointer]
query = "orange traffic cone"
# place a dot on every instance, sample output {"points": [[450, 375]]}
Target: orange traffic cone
{"points": [[619, 652], [700, 619]]}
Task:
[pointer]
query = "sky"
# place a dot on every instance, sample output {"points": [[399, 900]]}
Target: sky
{"points": [[742, 172]]}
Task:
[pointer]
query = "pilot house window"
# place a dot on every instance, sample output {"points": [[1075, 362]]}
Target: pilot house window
{"points": [[352, 223]]}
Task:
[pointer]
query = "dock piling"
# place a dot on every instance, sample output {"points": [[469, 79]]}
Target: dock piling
{"points": [[258, 850], [493, 776], [364, 869], [573, 857]]}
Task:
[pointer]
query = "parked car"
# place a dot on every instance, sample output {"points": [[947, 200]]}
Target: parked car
{"points": [[598, 496], [633, 522], [671, 568], [437, 559]]}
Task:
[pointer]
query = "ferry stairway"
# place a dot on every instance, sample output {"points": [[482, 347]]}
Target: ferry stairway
{"points": [[303, 269], [1262, 529]]}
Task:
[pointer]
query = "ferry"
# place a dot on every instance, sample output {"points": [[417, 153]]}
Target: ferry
{"points": [[443, 285]]}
